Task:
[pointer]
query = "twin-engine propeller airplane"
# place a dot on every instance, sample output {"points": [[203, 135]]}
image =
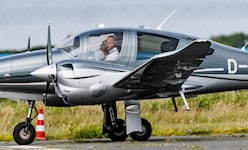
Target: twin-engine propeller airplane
{"points": [[103, 66]]}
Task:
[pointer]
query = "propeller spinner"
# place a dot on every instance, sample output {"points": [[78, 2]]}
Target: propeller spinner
{"points": [[45, 73]]}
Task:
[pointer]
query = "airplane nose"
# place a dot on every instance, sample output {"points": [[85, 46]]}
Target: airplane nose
{"points": [[44, 73]]}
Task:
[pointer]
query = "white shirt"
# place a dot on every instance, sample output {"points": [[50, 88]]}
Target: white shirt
{"points": [[113, 55]]}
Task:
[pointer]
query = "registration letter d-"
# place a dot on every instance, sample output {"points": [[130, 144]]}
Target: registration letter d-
{"points": [[232, 66]]}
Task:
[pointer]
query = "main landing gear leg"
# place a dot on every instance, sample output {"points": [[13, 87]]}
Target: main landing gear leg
{"points": [[24, 132], [139, 128], [115, 128], [184, 99]]}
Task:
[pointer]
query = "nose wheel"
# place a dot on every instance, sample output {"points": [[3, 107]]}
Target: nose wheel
{"points": [[24, 135], [24, 132]]}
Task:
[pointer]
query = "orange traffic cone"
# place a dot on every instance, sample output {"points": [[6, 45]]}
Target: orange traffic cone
{"points": [[40, 126]]}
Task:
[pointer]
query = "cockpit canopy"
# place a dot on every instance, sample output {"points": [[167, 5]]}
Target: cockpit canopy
{"points": [[70, 45], [128, 45]]}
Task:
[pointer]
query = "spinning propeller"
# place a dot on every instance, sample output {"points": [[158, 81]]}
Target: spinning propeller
{"points": [[49, 57], [49, 72]]}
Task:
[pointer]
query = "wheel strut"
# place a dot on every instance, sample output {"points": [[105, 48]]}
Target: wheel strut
{"points": [[24, 132], [110, 116], [31, 106], [115, 128]]}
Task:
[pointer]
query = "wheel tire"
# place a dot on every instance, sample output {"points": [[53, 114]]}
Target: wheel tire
{"points": [[22, 139], [146, 131], [119, 133]]}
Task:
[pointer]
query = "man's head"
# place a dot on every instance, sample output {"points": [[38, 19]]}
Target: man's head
{"points": [[104, 48], [110, 42]]}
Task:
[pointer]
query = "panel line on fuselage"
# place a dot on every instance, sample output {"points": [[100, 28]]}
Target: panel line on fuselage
{"points": [[233, 77]]}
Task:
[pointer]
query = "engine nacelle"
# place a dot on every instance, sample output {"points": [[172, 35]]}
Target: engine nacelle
{"points": [[55, 101]]}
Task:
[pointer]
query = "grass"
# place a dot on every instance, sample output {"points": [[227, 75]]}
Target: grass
{"points": [[220, 113]]}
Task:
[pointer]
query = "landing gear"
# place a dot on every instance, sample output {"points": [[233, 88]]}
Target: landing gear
{"points": [[146, 131], [119, 132], [24, 135], [115, 128], [24, 132], [184, 99]]}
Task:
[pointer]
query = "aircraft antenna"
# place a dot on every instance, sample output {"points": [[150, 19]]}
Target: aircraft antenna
{"points": [[160, 26]]}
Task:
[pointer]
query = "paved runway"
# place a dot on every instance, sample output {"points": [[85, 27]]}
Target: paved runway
{"points": [[224, 142]]}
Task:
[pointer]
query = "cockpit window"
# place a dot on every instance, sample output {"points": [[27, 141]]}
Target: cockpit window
{"points": [[105, 46], [152, 44], [71, 46]]}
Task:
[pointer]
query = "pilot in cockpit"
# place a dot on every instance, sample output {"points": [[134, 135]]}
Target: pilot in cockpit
{"points": [[109, 49], [104, 49]]}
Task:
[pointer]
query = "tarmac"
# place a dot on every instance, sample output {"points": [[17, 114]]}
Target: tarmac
{"points": [[218, 142]]}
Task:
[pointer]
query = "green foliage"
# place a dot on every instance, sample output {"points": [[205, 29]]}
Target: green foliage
{"points": [[6, 137], [235, 40], [89, 132], [219, 113]]}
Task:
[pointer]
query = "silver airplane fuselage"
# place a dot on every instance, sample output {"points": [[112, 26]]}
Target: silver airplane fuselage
{"points": [[225, 69]]}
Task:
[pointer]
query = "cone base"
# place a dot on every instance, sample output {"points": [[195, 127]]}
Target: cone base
{"points": [[40, 136], [41, 139]]}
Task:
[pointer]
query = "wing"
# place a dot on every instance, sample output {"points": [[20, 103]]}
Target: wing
{"points": [[167, 70]]}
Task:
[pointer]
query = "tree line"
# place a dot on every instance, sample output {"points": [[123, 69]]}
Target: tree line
{"points": [[237, 40]]}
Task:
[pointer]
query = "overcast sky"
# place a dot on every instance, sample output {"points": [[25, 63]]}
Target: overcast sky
{"points": [[201, 18]]}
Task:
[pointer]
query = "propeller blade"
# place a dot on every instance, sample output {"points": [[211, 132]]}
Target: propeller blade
{"points": [[49, 56], [48, 73], [49, 47]]}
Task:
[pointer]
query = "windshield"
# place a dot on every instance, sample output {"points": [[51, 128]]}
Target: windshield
{"points": [[71, 45]]}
